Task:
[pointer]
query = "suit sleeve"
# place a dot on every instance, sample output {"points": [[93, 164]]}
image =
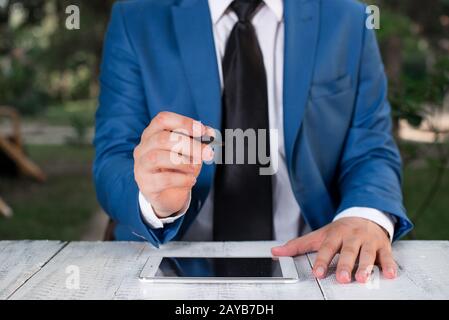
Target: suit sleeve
{"points": [[370, 170], [120, 120]]}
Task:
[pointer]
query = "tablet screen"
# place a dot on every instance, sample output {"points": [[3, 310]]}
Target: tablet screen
{"points": [[219, 268]]}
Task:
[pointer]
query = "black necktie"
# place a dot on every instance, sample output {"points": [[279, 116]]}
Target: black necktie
{"points": [[243, 197]]}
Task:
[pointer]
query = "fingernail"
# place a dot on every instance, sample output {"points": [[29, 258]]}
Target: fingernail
{"points": [[391, 271], [367, 273], [364, 275], [344, 275], [320, 271], [369, 270]]}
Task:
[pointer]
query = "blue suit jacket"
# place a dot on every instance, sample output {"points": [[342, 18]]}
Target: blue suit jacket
{"points": [[159, 55]]}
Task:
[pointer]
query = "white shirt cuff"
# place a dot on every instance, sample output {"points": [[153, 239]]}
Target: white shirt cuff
{"points": [[150, 217], [384, 220]]}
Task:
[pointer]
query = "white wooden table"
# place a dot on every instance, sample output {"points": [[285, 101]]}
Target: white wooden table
{"points": [[109, 270]]}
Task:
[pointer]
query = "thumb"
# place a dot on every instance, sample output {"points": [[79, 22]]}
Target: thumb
{"points": [[309, 242]]}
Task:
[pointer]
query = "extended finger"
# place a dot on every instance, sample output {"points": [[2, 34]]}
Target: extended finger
{"points": [[367, 259], [326, 253], [387, 263], [348, 255], [308, 243]]}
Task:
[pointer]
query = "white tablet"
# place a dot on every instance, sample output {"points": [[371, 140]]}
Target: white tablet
{"points": [[220, 269]]}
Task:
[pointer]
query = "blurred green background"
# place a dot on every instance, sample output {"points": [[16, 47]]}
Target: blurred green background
{"points": [[48, 74]]}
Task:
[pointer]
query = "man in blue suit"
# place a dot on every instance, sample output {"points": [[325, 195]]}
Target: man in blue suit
{"points": [[306, 73]]}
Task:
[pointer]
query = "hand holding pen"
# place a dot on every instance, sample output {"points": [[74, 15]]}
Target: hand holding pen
{"points": [[165, 164]]}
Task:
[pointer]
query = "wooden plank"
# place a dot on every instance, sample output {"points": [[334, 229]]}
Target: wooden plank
{"points": [[20, 260], [306, 288], [423, 274], [111, 270], [102, 267]]}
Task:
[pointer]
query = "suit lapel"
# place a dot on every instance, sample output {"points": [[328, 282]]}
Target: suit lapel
{"points": [[194, 34], [301, 35]]}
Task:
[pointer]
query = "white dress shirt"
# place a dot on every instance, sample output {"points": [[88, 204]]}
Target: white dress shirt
{"points": [[268, 22]]}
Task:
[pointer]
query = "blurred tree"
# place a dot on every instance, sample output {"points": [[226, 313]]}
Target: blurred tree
{"points": [[40, 60], [412, 40], [430, 95], [415, 45]]}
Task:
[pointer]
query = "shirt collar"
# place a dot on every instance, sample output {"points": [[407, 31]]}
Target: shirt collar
{"points": [[219, 7]]}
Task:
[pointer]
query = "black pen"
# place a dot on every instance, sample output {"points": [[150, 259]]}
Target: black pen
{"points": [[208, 140]]}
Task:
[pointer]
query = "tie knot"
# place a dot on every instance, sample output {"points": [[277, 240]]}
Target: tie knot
{"points": [[245, 8]]}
